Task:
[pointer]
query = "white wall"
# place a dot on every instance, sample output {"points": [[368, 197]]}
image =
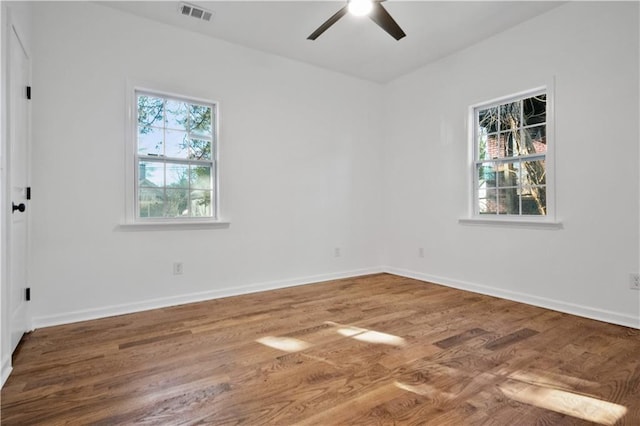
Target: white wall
{"points": [[309, 160], [299, 168], [591, 49]]}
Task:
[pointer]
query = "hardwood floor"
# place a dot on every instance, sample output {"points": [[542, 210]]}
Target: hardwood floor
{"points": [[379, 349]]}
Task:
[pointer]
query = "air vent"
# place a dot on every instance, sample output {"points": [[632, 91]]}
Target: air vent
{"points": [[195, 12]]}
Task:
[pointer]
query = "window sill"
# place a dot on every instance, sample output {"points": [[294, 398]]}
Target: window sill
{"points": [[512, 223], [171, 226]]}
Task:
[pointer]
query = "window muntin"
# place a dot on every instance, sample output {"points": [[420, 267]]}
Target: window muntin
{"points": [[175, 156], [510, 150]]}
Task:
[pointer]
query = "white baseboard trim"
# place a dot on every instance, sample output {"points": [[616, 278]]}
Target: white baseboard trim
{"points": [[128, 308], [556, 305], [6, 370]]}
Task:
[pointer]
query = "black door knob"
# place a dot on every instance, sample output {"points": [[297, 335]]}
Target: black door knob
{"points": [[20, 207]]}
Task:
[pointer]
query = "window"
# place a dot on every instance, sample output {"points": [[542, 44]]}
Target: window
{"points": [[175, 158], [511, 176]]}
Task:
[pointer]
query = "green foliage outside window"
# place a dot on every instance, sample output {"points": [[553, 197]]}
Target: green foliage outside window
{"points": [[175, 140]]}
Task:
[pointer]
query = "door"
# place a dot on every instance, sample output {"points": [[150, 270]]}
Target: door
{"points": [[18, 171]]}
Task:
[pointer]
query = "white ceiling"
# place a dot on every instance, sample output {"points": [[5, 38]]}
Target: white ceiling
{"points": [[353, 46]]}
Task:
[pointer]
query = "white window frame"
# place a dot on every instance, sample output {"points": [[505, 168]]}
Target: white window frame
{"points": [[543, 221], [132, 220]]}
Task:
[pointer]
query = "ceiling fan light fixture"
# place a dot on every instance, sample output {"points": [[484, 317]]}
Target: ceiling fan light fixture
{"points": [[360, 7], [372, 8]]}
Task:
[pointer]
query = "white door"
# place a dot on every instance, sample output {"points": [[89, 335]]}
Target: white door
{"points": [[18, 168]]}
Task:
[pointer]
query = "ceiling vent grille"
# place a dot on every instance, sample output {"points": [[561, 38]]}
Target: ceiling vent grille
{"points": [[195, 12]]}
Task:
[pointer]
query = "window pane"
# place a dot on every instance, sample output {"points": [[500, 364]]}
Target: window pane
{"points": [[150, 111], [486, 175], [482, 153], [535, 139], [508, 201], [177, 202], [534, 173], [508, 143], [200, 119], [534, 200], [492, 149], [510, 116], [508, 174], [488, 119], [505, 184], [519, 148], [150, 174], [200, 149], [487, 201], [201, 177], [170, 134], [177, 175], [151, 202], [535, 110], [177, 145], [201, 203], [150, 141], [176, 113]]}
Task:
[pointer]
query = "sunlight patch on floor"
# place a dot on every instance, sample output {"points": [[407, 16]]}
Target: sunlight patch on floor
{"points": [[550, 379], [369, 336], [423, 389], [564, 402], [287, 344], [350, 331], [378, 337]]}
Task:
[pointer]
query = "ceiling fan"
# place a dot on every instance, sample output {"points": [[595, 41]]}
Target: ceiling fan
{"points": [[372, 8]]}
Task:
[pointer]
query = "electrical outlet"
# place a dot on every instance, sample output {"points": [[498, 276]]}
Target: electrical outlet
{"points": [[634, 281], [336, 252], [177, 268]]}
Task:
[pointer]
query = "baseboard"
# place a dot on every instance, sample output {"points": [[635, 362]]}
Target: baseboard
{"points": [[6, 370], [128, 308], [556, 305]]}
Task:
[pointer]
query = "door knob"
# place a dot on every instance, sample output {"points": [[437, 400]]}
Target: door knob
{"points": [[20, 207]]}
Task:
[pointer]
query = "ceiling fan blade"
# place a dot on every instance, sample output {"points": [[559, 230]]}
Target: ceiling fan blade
{"points": [[380, 16], [329, 22]]}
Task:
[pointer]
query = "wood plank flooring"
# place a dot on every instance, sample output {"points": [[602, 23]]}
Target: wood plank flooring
{"points": [[379, 349]]}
